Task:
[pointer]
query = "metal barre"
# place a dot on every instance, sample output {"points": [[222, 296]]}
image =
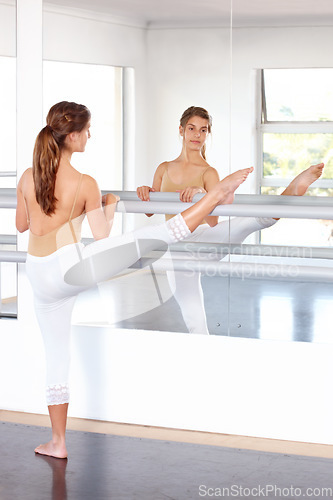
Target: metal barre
{"points": [[299, 207], [13, 256], [239, 270], [245, 270], [240, 199], [225, 248], [315, 207], [253, 250]]}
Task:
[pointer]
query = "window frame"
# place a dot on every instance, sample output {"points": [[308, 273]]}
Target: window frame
{"points": [[280, 127]]}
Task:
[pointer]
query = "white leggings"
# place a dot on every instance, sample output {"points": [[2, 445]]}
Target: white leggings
{"points": [[55, 288], [187, 286]]}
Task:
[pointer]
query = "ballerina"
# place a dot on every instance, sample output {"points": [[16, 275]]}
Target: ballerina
{"points": [[190, 174], [52, 200]]}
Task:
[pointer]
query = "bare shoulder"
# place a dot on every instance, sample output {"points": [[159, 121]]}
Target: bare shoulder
{"points": [[27, 174], [162, 167], [211, 172], [25, 178], [159, 172], [89, 182]]}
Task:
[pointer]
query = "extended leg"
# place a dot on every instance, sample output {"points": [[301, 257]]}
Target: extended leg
{"points": [[105, 258], [301, 183], [189, 295]]}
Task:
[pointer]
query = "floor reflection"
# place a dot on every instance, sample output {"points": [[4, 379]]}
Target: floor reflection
{"points": [[58, 467], [267, 308]]}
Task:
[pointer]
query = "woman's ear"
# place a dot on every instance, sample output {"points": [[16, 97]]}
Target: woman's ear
{"points": [[71, 139], [181, 130], [73, 136]]}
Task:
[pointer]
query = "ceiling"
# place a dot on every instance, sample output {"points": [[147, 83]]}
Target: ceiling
{"points": [[201, 12]]}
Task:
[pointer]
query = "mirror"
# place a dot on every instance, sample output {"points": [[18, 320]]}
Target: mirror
{"points": [[201, 61], [281, 113]]}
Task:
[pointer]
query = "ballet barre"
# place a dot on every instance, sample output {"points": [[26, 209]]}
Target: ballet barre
{"points": [[13, 256], [8, 239], [248, 270], [222, 249], [298, 207], [240, 270]]}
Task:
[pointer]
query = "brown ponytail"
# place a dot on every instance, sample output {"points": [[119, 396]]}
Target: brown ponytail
{"points": [[62, 119], [202, 113]]}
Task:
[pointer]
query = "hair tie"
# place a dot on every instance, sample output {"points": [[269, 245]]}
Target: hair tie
{"points": [[49, 127]]}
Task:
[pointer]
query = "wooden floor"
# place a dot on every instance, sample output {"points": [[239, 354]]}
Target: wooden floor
{"points": [[177, 435]]}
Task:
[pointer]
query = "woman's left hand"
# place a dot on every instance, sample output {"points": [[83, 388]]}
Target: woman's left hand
{"points": [[109, 199], [187, 194]]}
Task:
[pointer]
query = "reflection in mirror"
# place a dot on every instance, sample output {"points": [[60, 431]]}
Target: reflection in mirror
{"points": [[256, 130], [282, 116], [296, 132]]}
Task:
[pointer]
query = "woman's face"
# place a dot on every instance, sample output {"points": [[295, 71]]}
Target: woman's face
{"points": [[195, 133], [83, 137]]}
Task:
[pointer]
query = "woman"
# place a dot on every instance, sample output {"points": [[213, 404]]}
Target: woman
{"points": [[52, 199], [190, 174]]}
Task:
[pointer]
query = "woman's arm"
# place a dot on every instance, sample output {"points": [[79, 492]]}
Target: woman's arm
{"points": [[21, 222], [100, 210], [143, 191]]}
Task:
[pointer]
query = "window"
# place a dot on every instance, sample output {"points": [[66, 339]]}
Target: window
{"points": [[296, 131], [100, 89], [8, 271], [8, 122], [108, 92]]}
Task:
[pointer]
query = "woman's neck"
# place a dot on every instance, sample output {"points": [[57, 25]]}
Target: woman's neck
{"points": [[191, 157], [65, 158]]}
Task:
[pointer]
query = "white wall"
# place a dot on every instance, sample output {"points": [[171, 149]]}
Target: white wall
{"points": [[253, 49], [187, 67], [192, 67], [219, 384], [8, 30], [77, 39]]}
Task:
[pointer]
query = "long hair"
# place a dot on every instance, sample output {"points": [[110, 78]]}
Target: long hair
{"points": [[62, 119], [202, 113]]}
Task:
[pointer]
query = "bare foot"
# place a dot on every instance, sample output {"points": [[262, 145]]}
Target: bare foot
{"points": [[227, 187], [301, 183], [52, 450]]}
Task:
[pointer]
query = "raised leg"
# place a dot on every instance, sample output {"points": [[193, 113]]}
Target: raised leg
{"points": [[222, 193], [105, 258], [303, 181]]}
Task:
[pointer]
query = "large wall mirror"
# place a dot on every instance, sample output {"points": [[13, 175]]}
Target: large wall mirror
{"points": [[263, 73], [282, 115]]}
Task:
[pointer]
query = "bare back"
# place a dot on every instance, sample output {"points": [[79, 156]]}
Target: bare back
{"points": [[66, 188]]}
